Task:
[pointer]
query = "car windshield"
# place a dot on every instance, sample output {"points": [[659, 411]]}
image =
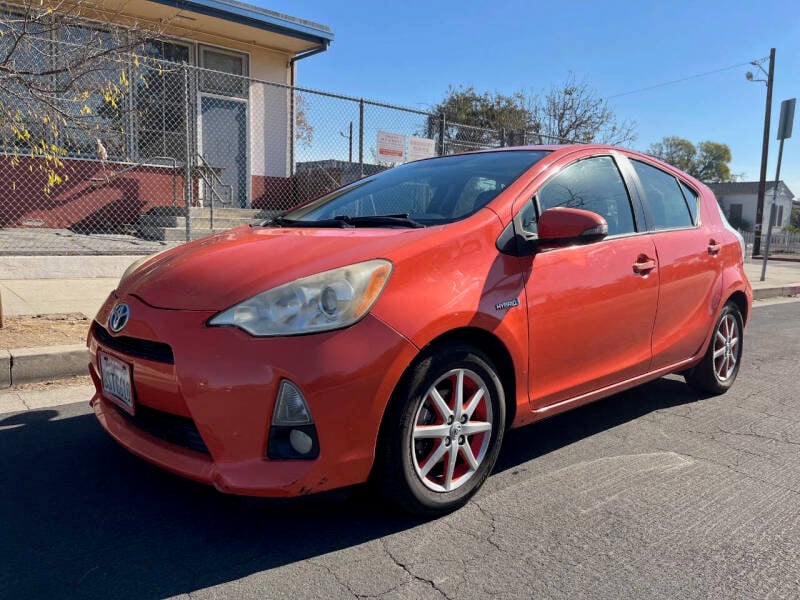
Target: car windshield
{"points": [[427, 192]]}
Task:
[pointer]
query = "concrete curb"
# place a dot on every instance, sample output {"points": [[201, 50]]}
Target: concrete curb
{"points": [[5, 369], [29, 365], [776, 292]]}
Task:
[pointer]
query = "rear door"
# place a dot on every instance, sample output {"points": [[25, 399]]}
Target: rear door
{"points": [[689, 262], [590, 308]]}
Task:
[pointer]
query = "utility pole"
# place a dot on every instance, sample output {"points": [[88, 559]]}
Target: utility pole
{"points": [[762, 180], [350, 143]]}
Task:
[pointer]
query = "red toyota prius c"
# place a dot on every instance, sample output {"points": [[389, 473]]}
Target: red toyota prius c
{"points": [[394, 329]]}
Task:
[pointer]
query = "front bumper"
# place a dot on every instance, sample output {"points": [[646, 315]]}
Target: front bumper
{"points": [[221, 386]]}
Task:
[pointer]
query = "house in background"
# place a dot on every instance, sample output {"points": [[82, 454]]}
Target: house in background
{"points": [[225, 119], [739, 200]]}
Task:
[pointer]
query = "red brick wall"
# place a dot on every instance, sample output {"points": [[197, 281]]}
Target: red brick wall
{"points": [[273, 193]]}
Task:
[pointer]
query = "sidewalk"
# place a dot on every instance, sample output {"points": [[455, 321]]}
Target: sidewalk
{"points": [[32, 285]]}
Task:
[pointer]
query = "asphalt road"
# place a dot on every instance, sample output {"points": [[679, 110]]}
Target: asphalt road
{"points": [[653, 493]]}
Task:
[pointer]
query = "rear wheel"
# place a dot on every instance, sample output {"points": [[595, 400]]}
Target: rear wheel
{"points": [[442, 432], [720, 365]]}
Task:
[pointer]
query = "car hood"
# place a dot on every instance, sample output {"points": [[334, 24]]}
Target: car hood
{"points": [[219, 271]]}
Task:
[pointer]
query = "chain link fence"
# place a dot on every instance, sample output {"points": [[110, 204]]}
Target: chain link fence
{"points": [[143, 150]]}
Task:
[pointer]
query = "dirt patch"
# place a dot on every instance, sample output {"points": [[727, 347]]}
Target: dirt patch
{"points": [[50, 385], [44, 330]]}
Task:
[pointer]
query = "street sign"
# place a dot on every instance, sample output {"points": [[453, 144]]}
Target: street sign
{"points": [[787, 117]]}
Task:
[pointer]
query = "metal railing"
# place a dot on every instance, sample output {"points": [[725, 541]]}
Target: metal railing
{"points": [[212, 182]]}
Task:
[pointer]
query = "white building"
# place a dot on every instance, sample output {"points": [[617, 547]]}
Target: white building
{"points": [[739, 199]]}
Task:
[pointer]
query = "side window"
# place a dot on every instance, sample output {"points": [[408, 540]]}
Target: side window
{"points": [[664, 196], [691, 200], [593, 184]]}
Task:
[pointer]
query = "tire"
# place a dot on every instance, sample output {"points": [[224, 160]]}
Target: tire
{"points": [[717, 371], [433, 455]]}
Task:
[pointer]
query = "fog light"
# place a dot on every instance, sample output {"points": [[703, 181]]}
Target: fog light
{"points": [[301, 442], [292, 434]]}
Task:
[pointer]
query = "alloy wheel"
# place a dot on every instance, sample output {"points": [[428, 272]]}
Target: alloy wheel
{"points": [[452, 430]]}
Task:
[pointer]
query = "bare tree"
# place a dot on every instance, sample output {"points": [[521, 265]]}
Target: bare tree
{"points": [[573, 111], [65, 76], [303, 129]]}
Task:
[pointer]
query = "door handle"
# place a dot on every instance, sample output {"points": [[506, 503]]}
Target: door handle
{"points": [[714, 247], [643, 265]]}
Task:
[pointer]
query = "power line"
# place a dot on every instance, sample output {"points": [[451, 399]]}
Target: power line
{"points": [[697, 76]]}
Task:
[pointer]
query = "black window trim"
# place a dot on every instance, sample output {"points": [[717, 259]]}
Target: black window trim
{"points": [[698, 217]]}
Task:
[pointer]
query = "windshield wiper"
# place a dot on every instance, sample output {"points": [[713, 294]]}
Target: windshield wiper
{"points": [[345, 221], [396, 220], [335, 222]]}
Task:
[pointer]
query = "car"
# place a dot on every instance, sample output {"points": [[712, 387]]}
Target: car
{"points": [[393, 330]]}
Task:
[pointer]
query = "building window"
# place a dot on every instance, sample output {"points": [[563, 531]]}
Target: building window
{"points": [[735, 215], [91, 117], [777, 217], [223, 73], [160, 115]]}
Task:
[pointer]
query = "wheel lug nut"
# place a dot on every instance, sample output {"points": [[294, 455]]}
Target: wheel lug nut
{"points": [[461, 440], [447, 441], [463, 418], [450, 420]]}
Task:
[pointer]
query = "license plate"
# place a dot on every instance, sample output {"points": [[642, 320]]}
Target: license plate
{"points": [[116, 378]]}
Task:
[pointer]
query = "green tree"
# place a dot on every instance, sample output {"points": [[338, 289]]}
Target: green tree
{"points": [[794, 220], [708, 161], [477, 119]]}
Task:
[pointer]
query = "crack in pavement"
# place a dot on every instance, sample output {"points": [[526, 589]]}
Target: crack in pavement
{"points": [[492, 523], [395, 560]]}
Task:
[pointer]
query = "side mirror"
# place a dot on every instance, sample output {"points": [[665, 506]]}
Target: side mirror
{"points": [[566, 226]]}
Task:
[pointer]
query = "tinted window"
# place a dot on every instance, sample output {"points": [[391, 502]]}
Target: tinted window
{"points": [[691, 200], [667, 204], [434, 191], [593, 184]]}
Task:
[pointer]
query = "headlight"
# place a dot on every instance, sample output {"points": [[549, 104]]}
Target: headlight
{"points": [[329, 300]]}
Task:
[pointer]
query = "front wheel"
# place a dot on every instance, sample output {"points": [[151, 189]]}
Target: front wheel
{"points": [[717, 371], [442, 432]]}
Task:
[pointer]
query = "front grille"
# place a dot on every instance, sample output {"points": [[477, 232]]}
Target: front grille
{"points": [[174, 429], [155, 351]]}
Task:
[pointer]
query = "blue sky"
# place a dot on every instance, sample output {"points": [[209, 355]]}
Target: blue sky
{"points": [[408, 53]]}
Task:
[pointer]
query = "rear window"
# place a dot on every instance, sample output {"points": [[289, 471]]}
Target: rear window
{"points": [[668, 206]]}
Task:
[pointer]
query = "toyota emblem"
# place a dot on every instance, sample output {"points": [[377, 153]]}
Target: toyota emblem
{"points": [[119, 317]]}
